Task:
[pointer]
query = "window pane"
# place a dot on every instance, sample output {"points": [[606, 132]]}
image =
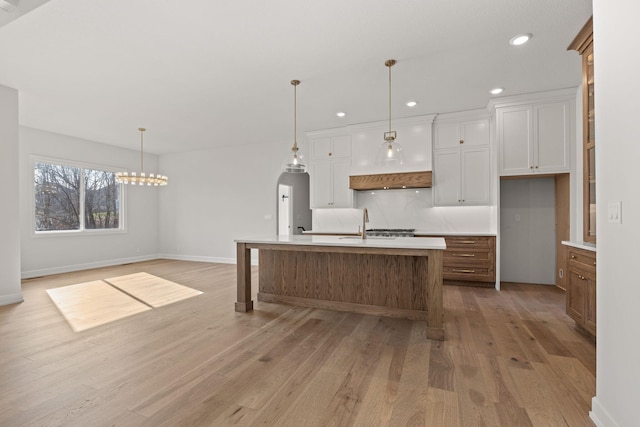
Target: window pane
{"points": [[57, 194], [101, 200]]}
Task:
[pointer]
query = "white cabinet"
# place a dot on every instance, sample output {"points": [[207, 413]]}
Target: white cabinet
{"points": [[329, 170], [462, 176], [535, 138], [462, 161], [331, 147], [465, 134]]}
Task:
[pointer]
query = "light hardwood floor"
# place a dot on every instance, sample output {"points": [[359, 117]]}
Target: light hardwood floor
{"points": [[511, 358]]}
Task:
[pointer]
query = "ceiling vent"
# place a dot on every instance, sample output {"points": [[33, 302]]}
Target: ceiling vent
{"points": [[9, 5]]}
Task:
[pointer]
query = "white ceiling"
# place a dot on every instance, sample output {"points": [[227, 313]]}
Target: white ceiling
{"points": [[208, 73]]}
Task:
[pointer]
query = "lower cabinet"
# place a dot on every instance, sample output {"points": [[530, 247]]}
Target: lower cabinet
{"points": [[469, 260], [581, 289]]}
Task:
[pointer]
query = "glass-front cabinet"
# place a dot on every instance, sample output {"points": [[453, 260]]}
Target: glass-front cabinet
{"points": [[583, 43]]}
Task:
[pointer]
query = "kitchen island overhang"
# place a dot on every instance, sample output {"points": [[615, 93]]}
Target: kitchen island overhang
{"points": [[396, 277]]}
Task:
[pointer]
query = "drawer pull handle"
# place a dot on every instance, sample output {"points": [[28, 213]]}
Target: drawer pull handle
{"points": [[573, 257], [464, 255], [456, 270], [467, 242]]}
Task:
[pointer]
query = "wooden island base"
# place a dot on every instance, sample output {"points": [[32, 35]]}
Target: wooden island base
{"points": [[394, 282]]}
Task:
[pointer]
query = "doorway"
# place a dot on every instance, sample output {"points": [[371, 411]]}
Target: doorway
{"points": [[534, 219], [284, 210]]}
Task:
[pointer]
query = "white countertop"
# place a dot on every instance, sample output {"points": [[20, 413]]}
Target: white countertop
{"points": [[417, 233], [452, 233], [351, 241], [580, 245]]}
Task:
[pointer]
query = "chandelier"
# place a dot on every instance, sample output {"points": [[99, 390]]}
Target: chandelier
{"points": [[141, 179]]}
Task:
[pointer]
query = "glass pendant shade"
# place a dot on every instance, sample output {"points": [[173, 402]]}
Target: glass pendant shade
{"points": [[390, 153], [295, 160]]}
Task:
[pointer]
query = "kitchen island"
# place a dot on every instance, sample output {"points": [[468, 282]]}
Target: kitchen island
{"points": [[397, 276]]}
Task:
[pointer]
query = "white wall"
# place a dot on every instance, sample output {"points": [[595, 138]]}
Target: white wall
{"points": [[10, 291], [55, 254], [617, 173], [527, 230], [218, 195]]}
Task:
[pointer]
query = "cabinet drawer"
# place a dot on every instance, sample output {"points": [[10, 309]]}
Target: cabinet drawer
{"points": [[477, 273], [582, 259], [469, 242], [467, 255]]}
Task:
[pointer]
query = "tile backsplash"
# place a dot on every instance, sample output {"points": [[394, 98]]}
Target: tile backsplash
{"points": [[405, 209]]}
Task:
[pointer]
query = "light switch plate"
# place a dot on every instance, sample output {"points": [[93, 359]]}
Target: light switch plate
{"points": [[614, 213]]}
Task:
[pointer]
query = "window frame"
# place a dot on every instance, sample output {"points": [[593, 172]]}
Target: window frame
{"points": [[122, 228]]}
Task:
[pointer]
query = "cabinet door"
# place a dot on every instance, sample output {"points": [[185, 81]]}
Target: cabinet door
{"points": [[575, 297], [321, 148], [553, 136], [475, 133], [590, 303], [476, 176], [341, 146], [515, 140], [342, 195], [321, 184], [446, 185], [447, 135]]}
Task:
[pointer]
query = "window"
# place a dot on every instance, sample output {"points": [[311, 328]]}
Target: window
{"points": [[74, 198]]}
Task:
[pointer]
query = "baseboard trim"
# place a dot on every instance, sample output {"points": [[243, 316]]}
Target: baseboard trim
{"points": [[11, 299], [30, 274], [197, 258], [600, 416], [78, 267]]}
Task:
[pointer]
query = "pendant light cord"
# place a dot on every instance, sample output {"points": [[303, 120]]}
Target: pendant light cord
{"points": [[390, 97], [295, 84]]}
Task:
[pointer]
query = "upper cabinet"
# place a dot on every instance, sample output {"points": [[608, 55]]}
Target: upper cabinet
{"points": [[535, 136], [464, 134], [583, 43], [413, 134], [331, 147], [462, 160], [351, 150], [329, 171]]}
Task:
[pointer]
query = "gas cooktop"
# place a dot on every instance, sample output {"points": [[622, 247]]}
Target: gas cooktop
{"points": [[391, 232]]}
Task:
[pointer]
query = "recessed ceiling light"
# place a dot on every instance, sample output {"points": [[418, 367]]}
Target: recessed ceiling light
{"points": [[411, 104], [520, 39], [341, 114], [496, 90]]}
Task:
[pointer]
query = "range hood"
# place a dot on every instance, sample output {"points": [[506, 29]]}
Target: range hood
{"points": [[385, 181]]}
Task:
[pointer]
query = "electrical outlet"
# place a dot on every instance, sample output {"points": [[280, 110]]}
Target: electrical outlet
{"points": [[614, 212]]}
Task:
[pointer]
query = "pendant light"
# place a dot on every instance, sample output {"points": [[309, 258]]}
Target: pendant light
{"points": [[141, 179], [295, 161], [390, 152]]}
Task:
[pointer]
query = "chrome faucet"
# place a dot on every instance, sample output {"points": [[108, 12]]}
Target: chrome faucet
{"points": [[365, 220]]}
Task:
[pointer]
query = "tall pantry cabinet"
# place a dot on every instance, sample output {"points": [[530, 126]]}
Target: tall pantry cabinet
{"points": [[330, 167], [462, 159]]}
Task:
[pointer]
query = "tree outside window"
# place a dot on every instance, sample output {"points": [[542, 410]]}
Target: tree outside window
{"points": [[70, 198]]}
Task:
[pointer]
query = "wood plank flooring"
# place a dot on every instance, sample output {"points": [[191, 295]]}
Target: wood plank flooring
{"points": [[511, 358]]}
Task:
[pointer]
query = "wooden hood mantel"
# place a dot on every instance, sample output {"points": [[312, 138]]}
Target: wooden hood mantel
{"points": [[384, 181]]}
